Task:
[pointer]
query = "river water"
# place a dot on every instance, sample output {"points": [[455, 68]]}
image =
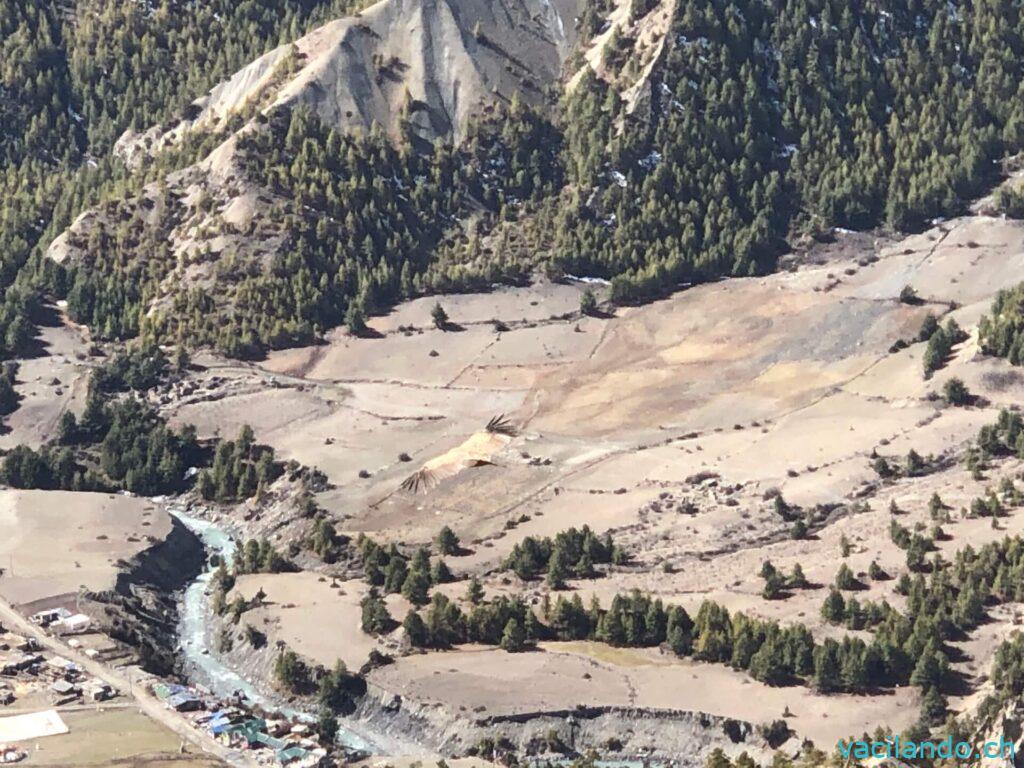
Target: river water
{"points": [[204, 668], [202, 665]]}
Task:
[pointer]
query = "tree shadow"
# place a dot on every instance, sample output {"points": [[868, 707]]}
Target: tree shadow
{"points": [[956, 684], [809, 586], [367, 333], [451, 327]]}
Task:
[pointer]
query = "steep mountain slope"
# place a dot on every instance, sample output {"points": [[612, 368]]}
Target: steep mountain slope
{"points": [[74, 75], [289, 227], [845, 404], [692, 140], [432, 64]]}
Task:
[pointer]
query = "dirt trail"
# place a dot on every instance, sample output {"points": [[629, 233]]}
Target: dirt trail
{"points": [[148, 704]]}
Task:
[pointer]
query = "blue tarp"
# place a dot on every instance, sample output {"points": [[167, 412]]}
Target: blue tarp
{"points": [[219, 724], [164, 691]]}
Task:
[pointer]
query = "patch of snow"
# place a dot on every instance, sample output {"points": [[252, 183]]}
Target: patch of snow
{"points": [[549, 9], [651, 160], [701, 41]]}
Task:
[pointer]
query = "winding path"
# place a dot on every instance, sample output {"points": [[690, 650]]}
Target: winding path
{"points": [[147, 703]]}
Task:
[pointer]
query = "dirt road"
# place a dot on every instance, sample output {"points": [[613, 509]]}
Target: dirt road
{"points": [[147, 703]]}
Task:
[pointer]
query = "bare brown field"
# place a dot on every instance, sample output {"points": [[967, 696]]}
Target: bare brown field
{"points": [[668, 424], [114, 737], [56, 542], [316, 616], [791, 389], [561, 676], [49, 384]]}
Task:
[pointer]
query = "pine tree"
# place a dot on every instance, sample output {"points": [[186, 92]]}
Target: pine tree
{"points": [[930, 668], [513, 639], [416, 587], [327, 726], [767, 665], [933, 707], [588, 302], [447, 542], [845, 579], [557, 569], [774, 586], [439, 316], [375, 616], [440, 573], [532, 627], [797, 579], [827, 669], [474, 592], [415, 630], [834, 608], [355, 319]]}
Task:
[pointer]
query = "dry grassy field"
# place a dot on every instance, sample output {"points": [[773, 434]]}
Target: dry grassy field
{"points": [[57, 543], [114, 737], [790, 389], [671, 425]]}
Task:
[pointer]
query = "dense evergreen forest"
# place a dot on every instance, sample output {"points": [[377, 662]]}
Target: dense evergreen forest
{"points": [[767, 121], [789, 116], [910, 647], [1001, 332], [362, 220], [73, 76]]}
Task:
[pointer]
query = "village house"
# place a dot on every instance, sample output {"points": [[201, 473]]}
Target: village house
{"points": [[97, 691], [72, 625], [65, 691], [13, 663], [49, 616]]}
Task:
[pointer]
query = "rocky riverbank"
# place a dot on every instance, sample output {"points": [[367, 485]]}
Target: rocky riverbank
{"points": [[142, 608], [669, 737], [220, 654]]}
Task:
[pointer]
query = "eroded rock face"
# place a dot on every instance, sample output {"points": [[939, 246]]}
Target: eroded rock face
{"points": [[141, 610], [1007, 728], [433, 62], [686, 737]]}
